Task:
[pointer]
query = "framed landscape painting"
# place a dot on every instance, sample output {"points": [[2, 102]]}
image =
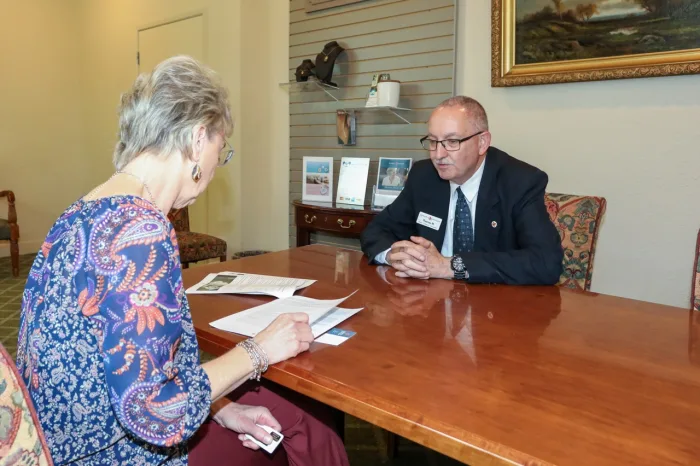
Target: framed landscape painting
{"points": [[555, 41]]}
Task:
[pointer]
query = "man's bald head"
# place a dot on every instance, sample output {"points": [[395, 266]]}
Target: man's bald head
{"points": [[473, 110]]}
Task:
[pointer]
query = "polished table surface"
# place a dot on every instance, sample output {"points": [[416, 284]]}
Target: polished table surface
{"points": [[490, 374]]}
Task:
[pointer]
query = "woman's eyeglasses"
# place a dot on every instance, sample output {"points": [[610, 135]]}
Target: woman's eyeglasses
{"points": [[225, 154]]}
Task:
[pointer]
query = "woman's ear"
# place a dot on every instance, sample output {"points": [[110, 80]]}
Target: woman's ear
{"points": [[199, 136]]}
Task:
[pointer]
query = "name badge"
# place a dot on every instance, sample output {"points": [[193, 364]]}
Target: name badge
{"points": [[429, 221]]}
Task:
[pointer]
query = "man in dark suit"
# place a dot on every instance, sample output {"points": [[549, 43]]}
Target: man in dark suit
{"points": [[471, 212]]}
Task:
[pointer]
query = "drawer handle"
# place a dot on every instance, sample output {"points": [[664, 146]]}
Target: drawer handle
{"points": [[309, 220], [350, 224]]}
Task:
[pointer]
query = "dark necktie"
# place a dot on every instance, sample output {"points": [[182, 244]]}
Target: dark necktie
{"points": [[463, 233]]}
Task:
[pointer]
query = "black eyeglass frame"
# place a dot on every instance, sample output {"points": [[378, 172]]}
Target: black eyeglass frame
{"points": [[459, 142]]}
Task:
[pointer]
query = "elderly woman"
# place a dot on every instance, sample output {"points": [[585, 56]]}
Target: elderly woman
{"points": [[106, 342]]}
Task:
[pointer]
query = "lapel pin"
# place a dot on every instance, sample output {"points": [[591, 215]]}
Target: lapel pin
{"points": [[494, 224]]}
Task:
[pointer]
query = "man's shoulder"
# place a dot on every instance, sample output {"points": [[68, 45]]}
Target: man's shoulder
{"points": [[423, 169], [509, 167]]}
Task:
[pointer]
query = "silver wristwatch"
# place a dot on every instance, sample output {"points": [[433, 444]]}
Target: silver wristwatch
{"points": [[458, 267]]}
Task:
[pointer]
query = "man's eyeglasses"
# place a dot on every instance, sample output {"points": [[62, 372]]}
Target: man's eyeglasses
{"points": [[225, 154], [449, 144]]}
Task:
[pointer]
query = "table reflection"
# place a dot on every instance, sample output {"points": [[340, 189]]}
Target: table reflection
{"points": [[451, 315]]}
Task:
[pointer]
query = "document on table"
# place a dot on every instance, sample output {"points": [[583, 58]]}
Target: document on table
{"points": [[323, 315], [248, 283]]}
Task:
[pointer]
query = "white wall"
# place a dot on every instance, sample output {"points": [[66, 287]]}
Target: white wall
{"points": [[265, 119], [247, 44], [109, 68], [635, 142], [64, 66], [41, 146]]}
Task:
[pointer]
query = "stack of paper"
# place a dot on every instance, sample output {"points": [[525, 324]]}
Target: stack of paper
{"points": [[247, 283], [323, 315]]}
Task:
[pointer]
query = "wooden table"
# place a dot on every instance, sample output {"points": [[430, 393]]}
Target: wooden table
{"points": [[490, 374], [339, 219]]}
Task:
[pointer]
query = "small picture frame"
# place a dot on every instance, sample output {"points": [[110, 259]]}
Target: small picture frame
{"points": [[392, 174], [317, 179]]}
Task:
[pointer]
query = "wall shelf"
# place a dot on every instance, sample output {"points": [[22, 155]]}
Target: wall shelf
{"points": [[379, 115], [312, 85]]}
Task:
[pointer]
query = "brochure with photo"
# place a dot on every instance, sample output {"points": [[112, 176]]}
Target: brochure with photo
{"points": [[317, 179], [392, 174]]}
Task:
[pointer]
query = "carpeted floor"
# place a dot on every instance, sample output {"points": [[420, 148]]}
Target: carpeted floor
{"points": [[365, 443]]}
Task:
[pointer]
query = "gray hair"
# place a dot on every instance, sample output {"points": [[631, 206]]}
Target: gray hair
{"points": [[159, 111], [472, 107]]}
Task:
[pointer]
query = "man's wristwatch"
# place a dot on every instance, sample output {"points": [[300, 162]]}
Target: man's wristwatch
{"points": [[458, 267]]}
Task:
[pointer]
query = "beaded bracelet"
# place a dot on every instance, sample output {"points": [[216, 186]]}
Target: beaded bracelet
{"points": [[261, 352], [257, 356]]}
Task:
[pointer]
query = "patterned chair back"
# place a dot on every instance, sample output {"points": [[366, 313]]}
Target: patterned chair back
{"points": [[21, 438], [695, 287], [180, 218], [577, 219]]}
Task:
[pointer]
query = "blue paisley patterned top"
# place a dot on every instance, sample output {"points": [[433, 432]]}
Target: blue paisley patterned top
{"points": [[106, 342]]}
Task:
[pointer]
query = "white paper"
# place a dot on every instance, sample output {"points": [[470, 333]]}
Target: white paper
{"points": [[334, 317], [328, 339], [323, 315], [352, 183], [317, 179], [247, 283]]}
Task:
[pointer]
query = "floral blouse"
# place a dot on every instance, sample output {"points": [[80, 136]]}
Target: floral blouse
{"points": [[106, 342]]}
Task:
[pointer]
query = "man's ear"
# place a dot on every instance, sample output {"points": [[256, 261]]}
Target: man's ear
{"points": [[484, 142]]}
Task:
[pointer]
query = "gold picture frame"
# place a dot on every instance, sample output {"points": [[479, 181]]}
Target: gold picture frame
{"points": [[506, 72]]}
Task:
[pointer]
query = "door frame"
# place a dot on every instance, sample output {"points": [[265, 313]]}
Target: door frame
{"points": [[204, 13]]}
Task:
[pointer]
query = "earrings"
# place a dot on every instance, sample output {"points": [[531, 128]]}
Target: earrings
{"points": [[196, 173]]}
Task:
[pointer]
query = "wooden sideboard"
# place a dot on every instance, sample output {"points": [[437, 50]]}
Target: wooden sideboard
{"points": [[343, 220]]}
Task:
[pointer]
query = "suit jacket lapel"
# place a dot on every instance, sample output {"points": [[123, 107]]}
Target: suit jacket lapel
{"points": [[486, 211]]}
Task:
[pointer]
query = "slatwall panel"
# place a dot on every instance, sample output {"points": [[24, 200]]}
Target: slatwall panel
{"points": [[413, 40]]}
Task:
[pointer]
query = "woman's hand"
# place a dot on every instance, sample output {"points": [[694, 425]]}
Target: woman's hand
{"points": [[287, 336], [244, 419]]}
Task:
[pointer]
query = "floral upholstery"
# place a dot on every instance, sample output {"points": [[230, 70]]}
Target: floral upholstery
{"points": [[198, 247], [577, 219], [21, 438], [695, 288], [195, 246], [180, 219]]}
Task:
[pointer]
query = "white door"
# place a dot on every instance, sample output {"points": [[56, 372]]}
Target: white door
{"points": [[155, 44]]}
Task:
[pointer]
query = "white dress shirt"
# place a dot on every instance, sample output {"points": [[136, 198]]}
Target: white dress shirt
{"points": [[470, 188]]}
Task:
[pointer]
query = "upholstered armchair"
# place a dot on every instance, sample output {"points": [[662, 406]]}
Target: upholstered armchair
{"points": [[9, 230], [577, 219], [21, 437], [193, 246]]}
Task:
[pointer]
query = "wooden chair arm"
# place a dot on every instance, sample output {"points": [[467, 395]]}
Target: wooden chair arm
{"points": [[11, 211]]}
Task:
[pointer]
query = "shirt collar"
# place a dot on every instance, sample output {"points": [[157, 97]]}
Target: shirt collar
{"points": [[470, 188]]}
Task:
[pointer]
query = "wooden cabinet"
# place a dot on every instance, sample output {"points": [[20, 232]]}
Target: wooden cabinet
{"points": [[329, 217]]}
